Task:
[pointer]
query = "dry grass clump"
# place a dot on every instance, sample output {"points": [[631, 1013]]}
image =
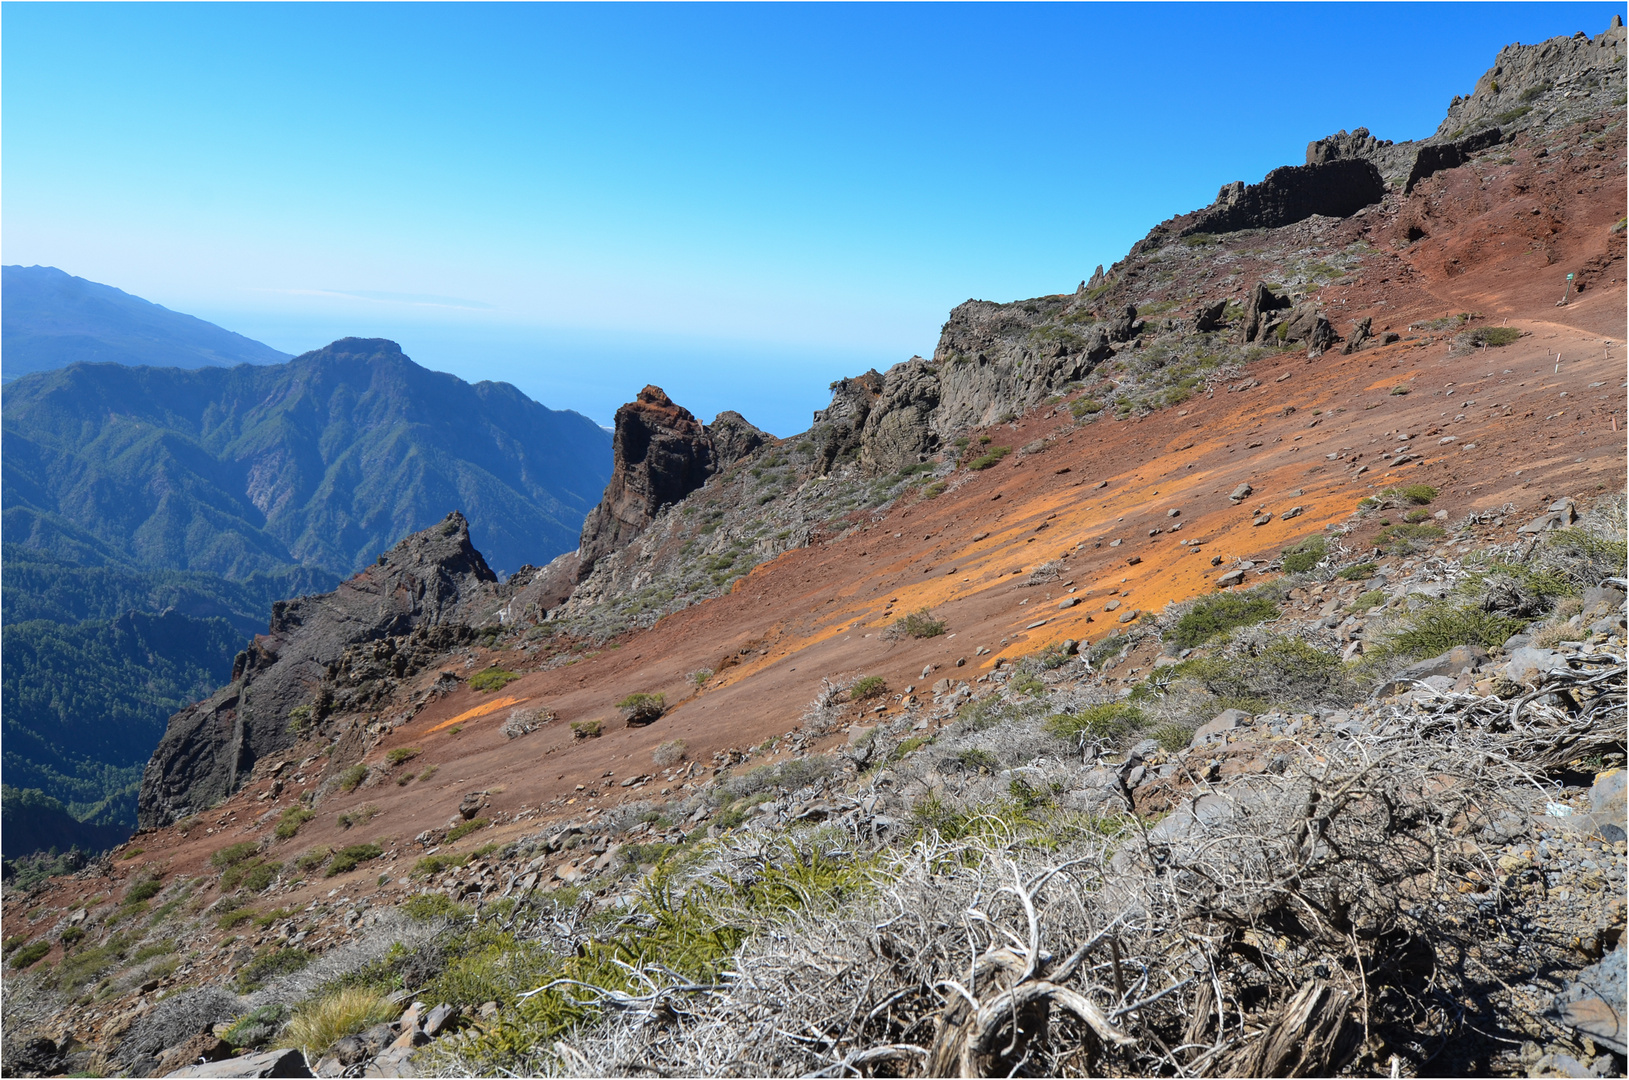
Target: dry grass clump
{"points": [[323, 1021], [669, 753]]}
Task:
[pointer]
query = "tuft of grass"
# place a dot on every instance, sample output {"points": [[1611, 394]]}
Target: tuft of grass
{"points": [[1414, 494], [870, 686], [1305, 555], [349, 858], [493, 678], [434, 864], [256, 1027], [352, 778], [29, 955], [358, 816], [920, 624], [989, 458], [1357, 572], [429, 771], [463, 829], [1172, 737], [427, 906], [1370, 599], [1212, 616], [1096, 721], [322, 1022], [640, 709], [314, 858], [142, 890], [253, 875], [1405, 538], [400, 754], [701, 677], [1439, 627], [289, 824], [233, 854], [669, 753]]}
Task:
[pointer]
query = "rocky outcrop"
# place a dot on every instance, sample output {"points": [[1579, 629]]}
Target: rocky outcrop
{"points": [[733, 438], [1550, 81], [1258, 308], [1432, 158], [282, 682], [1292, 193], [661, 454]]}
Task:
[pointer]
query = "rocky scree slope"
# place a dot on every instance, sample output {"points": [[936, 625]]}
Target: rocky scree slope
{"points": [[1065, 546]]}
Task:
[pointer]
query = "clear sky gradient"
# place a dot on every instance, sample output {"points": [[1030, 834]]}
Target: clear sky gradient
{"points": [[738, 203]]}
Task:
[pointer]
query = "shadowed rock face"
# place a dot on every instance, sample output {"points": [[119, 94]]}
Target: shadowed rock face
{"points": [[662, 453], [427, 580], [1293, 193]]}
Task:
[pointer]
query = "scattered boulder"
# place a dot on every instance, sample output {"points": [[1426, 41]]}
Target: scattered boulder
{"points": [[1227, 720], [1209, 317], [1360, 334], [1123, 326], [1558, 515], [266, 1063], [1528, 664], [1320, 337], [1260, 301]]}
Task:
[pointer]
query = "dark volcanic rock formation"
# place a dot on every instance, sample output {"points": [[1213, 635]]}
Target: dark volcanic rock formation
{"points": [[281, 682], [1293, 193], [662, 453], [733, 438]]}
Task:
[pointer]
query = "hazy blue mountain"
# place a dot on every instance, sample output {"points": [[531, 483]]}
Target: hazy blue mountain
{"points": [[324, 462], [49, 319]]}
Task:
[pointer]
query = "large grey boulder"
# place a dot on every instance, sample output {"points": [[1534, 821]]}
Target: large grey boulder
{"points": [[1593, 1003], [265, 1063]]}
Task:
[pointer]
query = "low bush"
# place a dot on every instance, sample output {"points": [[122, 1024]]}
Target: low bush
{"points": [[919, 624], [868, 687], [1365, 601], [434, 864], [233, 854], [29, 955], [1408, 537], [428, 906], [320, 1023], [257, 1027], [989, 458], [464, 828], [358, 816], [252, 875], [1106, 721], [72, 936], [585, 729], [971, 759], [145, 889], [1172, 737], [669, 753], [349, 858], [1283, 670], [1415, 494], [314, 858], [289, 824], [701, 677], [1305, 555], [640, 709], [1357, 572], [1212, 616], [352, 778], [399, 754], [493, 678], [1441, 626]]}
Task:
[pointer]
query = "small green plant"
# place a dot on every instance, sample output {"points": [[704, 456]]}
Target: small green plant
{"points": [[288, 826], [934, 490], [72, 936], [1399, 390], [585, 729], [1415, 516], [920, 624], [300, 719], [233, 853], [434, 864], [428, 906], [1213, 616], [1357, 572], [253, 875], [493, 678], [1081, 408], [970, 759], [399, 754], [1413, 494], [1439, 627], [868, 687], [256, 1028], [989, 458], [314, 858], [12, 944], [464, 828], [641, 709], [1027, 683], [231, 920], [359, 816], [428, 771], [1493, 336], [1371, 599], [701, 677], [1105, 721], [1172, 737], [29, 955], [132, 853], [349, 858], [352, 778], [1405, 538], [143, 890], [1305, 555]]}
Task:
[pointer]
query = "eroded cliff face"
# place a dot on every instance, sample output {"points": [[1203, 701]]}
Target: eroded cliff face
{"points": [[284, 682]]}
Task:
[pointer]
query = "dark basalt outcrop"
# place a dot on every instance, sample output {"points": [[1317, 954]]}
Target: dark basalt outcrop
{"points": [[1293, 193], [284, 680]]}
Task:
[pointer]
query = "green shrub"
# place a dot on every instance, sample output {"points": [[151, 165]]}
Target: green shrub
{"points": [[1406, 538], [256, 1028], [493, 678], [1357, 572], [585, 729], [1399, 390], [970, 759], [464, 828], [1414, 517], [1305, 555], [1096, 721], [990, 457], [231, 920], [1081, 408], [934, 490], [1285, 671], [314, 858], [320, 1023], [1493, 336], [428, 906], [920, 624], [642, 708], [701, 677], [12, 944], [233, 854], [1370, 599], [300, 719], [1441, 626], [251, 874], [400, 754], [132, 853], [29, 955], [441, 860], [1212, 616], [72, 936], [143, 890], [1027, 683], [289, 824], [349, 858], [868, 687], [1172, 737], [1417, 494], [352, 778], [910, 746]]}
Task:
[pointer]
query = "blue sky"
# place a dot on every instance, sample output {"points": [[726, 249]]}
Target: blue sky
{"points": [[739, 203]]}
